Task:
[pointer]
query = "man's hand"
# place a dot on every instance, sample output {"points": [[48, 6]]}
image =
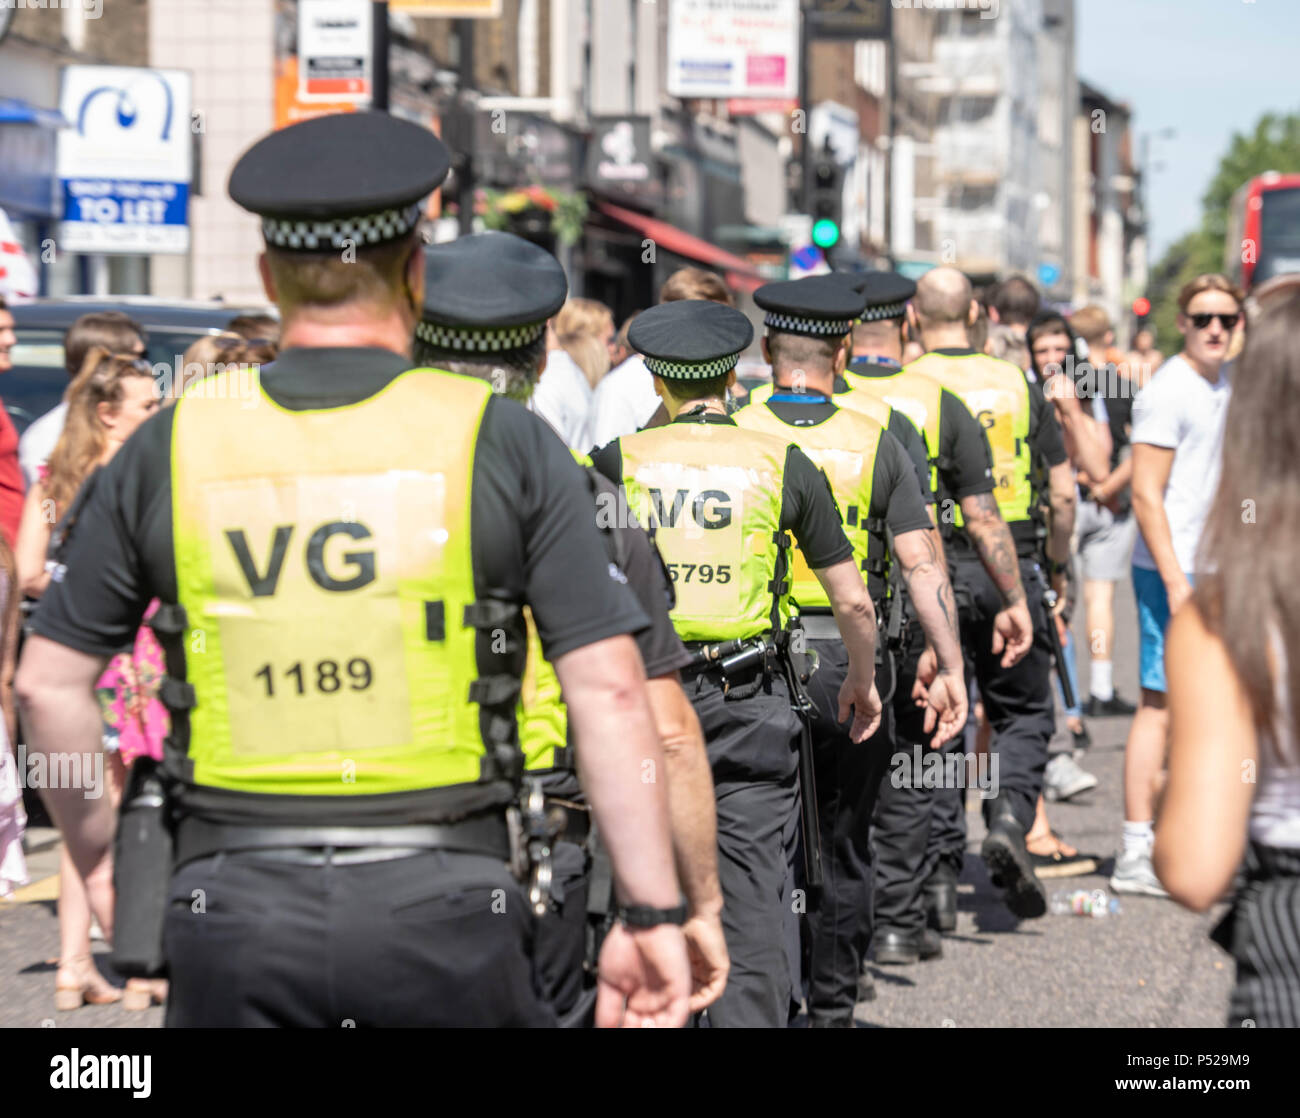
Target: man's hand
{"points": [[1178, 592], [945, 702], [858, 696], [644, 979], [1061, 585], [1013, 633], [710, 964]]}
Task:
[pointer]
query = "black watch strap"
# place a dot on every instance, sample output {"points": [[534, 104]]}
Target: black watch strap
{"points": [[643, 916]]}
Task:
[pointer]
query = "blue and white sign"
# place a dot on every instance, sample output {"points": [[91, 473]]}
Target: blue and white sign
{"points": [[124, 161]]}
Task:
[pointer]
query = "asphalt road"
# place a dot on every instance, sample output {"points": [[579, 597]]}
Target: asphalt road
{"points": [[1150, 966]]}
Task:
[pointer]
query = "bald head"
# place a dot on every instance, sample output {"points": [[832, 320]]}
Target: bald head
{"points": [[943, 298]]}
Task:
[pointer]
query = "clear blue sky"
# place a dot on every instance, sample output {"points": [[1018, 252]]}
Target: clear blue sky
{"points": [[1208, 68]]}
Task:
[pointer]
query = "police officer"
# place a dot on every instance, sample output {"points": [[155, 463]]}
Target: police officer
{"points": [[884, 512], [723, 500], [969, 517], [502, 340], [1030, 466], [344, 554]]}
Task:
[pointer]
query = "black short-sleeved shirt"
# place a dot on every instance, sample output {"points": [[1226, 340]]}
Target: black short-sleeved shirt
{"points": [[534, 540], [897, 496], [808, 508]]}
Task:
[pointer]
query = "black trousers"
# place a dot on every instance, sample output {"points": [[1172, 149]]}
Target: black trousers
{"points": [[901, 820], [848, 775], [560, 936], [434, 939], [751, 751], [1017, 702]]}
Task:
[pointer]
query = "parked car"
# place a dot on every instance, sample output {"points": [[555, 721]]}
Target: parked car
{"points": [[37, 381]]}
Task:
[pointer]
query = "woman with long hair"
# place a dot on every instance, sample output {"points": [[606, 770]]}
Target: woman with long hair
{"points": [[109, 398], [1232, 660], [583, 335]]}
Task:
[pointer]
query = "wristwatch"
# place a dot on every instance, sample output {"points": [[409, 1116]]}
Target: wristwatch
{"points": [[643, 916]]}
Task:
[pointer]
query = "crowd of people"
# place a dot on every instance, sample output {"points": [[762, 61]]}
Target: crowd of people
{"points": [[803, 588]]}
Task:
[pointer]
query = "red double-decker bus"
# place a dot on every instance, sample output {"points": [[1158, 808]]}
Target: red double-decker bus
{"points": [[1264, 229]]}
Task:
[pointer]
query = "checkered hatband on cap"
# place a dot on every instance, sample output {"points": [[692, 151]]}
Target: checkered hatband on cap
{"points": [[704, 370], [795, 325], [885, 310], [365, 229], [474, 339]]}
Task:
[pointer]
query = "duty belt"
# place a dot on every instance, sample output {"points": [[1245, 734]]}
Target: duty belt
{"points": [[482, 834], [819, 626]]}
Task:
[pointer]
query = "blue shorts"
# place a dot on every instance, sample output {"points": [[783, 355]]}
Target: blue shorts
{"points": [[1153, 620]]}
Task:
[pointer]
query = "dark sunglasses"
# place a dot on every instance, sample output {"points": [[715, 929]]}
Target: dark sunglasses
{"points": [[1227, 321]]}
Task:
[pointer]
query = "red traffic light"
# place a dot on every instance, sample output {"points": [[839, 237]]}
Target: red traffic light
{"points": [[1141, 306]]}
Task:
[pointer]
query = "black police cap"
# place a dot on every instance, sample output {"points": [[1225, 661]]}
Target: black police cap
{"points": [[820, 306], [344, 178], [886, 293], [489, 292], [690, 339]]}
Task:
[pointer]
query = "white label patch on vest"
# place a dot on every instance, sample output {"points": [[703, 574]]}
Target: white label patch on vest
{"points": [[700, 515], [309, 604]]}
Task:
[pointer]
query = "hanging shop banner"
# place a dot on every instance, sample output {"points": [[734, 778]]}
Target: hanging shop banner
{"points": [[733, 48], [334, 50], [856, 19], [448, 9], [124, 162]]}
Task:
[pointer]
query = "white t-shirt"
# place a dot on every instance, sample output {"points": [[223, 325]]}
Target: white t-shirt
{"points": [[563, 398], [1180, 410], [625, 401], [39, 440], [1275, 811]]}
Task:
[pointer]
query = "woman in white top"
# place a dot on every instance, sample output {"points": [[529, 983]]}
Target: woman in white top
{"points": [[564, 397], [1233, 664]]}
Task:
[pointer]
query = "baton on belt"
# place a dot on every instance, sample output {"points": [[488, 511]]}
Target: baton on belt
{"points": [[1058, 654]]}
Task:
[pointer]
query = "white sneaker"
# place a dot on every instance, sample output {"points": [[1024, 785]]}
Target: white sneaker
{"points": [[1135, 874], [1063, 778]]}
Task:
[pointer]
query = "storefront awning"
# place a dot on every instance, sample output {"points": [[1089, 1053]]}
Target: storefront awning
{"points": [[740, 274], [28, 154], [14, 111]]}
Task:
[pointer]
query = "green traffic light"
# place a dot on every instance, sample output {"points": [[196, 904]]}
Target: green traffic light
{"points": [[825, 233]]}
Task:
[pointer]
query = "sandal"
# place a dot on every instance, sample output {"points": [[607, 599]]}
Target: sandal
{"points": [[142, 993], [1058, 863], [87, 988]]}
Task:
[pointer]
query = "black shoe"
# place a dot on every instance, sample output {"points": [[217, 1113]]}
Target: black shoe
{"points": [[866, 985], [1108, 708], [895, 949], [1010, 866], [930, 945], [940, 897], [1082, 739]]}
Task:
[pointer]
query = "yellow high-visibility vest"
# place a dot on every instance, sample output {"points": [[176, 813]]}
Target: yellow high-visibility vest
{"points": [[845, 448], [714, 493], [997, 394], [323, 559]]}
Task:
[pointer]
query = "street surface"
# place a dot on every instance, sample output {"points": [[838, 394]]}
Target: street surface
{"points": [[1151, 966]]}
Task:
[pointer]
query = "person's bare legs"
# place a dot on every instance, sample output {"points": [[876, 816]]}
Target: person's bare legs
{"points": [[1099, 606], [1144, 757], [76, 966]]}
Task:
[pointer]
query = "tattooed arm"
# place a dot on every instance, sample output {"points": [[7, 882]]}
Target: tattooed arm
{"points": [[1060, 484], [1013, 628], [919, 555], [992, 539]]}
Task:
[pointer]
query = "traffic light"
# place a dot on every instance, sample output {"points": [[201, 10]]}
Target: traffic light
{"points": [[827, 198]]}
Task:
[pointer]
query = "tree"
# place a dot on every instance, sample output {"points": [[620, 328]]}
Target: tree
{"points": [[1274, 145]]}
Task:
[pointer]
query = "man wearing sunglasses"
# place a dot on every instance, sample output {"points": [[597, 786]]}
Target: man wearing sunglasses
{"points": [[1177, 441]]}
